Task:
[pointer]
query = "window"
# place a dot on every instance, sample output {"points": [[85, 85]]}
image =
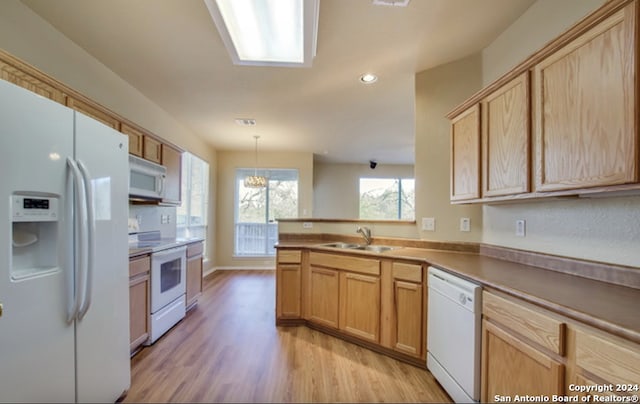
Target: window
{"points": [[192, 214], [387, 198], [257, 209]]}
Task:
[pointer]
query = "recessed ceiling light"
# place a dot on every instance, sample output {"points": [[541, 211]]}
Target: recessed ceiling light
{"points": [[246, 121], [368, 78]]}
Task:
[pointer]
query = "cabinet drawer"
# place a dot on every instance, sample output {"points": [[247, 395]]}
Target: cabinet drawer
{"points": [[345, 262], [139, 266], [407, 272], [289, 256], [194, 249], [534, 325], [610, 360]]}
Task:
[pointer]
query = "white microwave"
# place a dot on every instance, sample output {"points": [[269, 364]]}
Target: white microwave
{"points": [[146, 179]]}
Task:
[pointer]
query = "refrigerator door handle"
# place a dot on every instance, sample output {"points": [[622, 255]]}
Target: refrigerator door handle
{"points": [[80, 240], [91, 240]]}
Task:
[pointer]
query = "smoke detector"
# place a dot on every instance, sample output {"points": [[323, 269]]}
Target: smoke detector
{"points": [[391, 3]]}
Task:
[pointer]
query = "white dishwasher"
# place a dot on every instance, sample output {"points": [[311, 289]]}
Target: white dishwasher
{"points": [[453, 334]]}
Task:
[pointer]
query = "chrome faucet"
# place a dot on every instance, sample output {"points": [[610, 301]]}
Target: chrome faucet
{"points": [[366, 233]]}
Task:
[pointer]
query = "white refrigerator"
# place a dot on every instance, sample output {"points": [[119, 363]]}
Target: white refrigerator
{"points": [[64, 321]]}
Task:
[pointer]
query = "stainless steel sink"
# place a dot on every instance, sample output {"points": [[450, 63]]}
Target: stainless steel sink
{"points": [[372, 248], [342, 245], [375, 248]]}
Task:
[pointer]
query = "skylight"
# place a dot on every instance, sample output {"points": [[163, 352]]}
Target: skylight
{"points": [[267, 32]]}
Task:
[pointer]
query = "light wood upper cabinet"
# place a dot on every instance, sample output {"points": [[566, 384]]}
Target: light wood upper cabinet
{"points": [[360, 305], [465, 155], [24, 79], [172, 161], [152, 150], [585, 116], [506, 139], [94, 111], [136, 139]]}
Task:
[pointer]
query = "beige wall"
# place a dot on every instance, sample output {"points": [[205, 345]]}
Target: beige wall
{"points": [[228, 161], [597, 229], [336, 186], [26, 36], [438, 91]]}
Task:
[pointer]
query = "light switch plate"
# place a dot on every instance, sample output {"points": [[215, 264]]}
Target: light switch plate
{"points": [[428, 224], [465, 224], [521, 225]]}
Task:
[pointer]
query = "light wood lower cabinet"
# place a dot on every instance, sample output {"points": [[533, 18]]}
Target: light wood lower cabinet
{"points": [[139, 301], [194, 273], [288, 284], [527, 350], [360, 305], [511, 367], [408, 319], [323, 296]]}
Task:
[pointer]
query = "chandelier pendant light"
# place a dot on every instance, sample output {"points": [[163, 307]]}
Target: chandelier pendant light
{"points": [[255, 180]]}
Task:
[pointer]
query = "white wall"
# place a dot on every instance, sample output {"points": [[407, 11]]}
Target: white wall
{"points": [[596, 229], [336, 186], [438, 91]]}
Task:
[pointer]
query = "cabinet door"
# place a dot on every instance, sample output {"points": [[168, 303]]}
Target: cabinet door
{"points": [[465, 155], [172, 160], [25, 80], [512, 367], [152, 150], [408, 317], [139, 310], [585, 119], [194, 279], [610, 360], [360, 305], [323, 296], [136, 139], [506, 139], [94, 112], [288, 295]]}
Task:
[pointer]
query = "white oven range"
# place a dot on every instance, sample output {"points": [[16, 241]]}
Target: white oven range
{"points": [[168, 288]]}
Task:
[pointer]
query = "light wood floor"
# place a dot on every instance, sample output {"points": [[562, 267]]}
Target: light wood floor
{"points": [[229, 350]]}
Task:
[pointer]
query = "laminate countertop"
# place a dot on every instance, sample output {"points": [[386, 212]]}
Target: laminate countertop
{"points": [[606, 306]]}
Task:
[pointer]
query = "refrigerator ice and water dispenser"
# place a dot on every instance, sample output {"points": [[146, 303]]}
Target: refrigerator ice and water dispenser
{"points": [[34, 235]]}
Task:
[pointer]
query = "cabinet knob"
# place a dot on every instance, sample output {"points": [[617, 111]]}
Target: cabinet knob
{"points": [[1, 309]]}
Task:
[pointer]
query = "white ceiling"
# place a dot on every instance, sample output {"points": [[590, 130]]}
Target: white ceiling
{"points": [[171, 52]]}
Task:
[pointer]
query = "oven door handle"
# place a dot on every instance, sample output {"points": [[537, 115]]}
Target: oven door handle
{"points": [[170, 251]]}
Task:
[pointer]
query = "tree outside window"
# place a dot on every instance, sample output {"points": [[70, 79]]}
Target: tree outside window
{"points": [[387, 198]]}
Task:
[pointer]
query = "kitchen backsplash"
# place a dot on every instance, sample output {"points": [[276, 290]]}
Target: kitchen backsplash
{"points": [[153, 218]]}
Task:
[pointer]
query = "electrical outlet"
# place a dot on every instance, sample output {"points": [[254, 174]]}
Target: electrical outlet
{"points": [[307, 225], [428, 224], [465, 224], [139, 219], [521, 227]]}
